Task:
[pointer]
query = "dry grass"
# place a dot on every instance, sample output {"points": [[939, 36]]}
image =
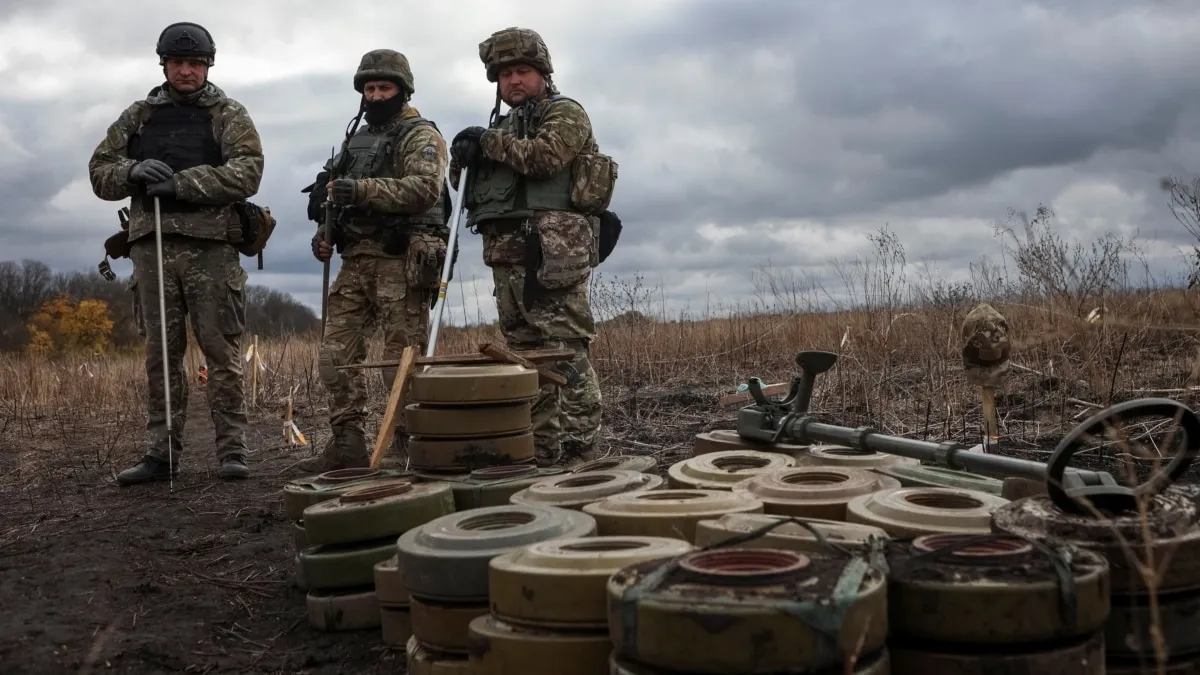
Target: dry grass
{"points": [[898, 342]]}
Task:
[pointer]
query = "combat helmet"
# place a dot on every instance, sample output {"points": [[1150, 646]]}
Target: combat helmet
{"points": [[514, 45], [384, 64], [188, 40]]}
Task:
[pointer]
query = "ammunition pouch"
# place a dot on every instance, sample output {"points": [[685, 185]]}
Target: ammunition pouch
{"points": [[608, 232], [255, 227], [593, 177]]}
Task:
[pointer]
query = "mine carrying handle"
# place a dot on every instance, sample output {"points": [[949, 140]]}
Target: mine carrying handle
{"points": [[1077, 491]]}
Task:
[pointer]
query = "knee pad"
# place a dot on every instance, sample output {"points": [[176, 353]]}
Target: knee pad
{"points": [[327, 364]]}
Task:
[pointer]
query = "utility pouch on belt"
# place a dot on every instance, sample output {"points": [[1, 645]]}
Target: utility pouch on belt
{"points": [[255, 226], [426, 255]]}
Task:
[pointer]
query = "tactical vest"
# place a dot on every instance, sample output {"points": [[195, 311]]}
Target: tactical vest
{"points": [[499, 192], [183, 137], [370, 153]]}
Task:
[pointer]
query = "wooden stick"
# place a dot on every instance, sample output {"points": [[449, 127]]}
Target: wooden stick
{"points": [[769, 390], [534, 355], [504, 354], [990, 421], [387, 427]]}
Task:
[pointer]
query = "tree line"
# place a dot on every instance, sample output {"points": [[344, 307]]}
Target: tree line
{"points": [[41, 309]]}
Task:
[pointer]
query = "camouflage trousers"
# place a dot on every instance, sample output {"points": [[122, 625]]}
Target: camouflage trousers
{"points": [[566, 419], [370, 293], [204, 282]]}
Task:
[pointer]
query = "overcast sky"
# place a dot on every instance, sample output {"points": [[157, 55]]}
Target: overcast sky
{"points": [[747, 131]]}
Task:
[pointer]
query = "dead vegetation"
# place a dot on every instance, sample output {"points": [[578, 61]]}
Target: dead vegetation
{"points": [[1086, 335]]}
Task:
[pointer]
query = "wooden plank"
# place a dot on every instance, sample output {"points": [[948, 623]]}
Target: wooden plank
{"points": [[500, 353], [387, 428], [534, 355], [769, 390]]}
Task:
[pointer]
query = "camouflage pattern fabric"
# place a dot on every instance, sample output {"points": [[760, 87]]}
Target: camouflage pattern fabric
{"points": [[375, 290], [987, 346], [421, 161], [565, 419], [216, 187], [369, 293], [203, 281]]}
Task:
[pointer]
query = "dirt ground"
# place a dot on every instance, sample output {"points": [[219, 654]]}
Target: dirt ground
{"points": [[95, 578]]}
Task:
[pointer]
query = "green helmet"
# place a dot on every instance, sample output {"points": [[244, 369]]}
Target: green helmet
{"points": [[514, 45], [384, 64]]}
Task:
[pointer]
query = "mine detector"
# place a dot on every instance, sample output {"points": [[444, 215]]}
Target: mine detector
{"points": [[1118, 565], [1074, 491]]}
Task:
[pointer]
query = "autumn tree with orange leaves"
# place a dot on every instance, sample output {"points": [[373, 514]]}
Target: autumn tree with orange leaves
{"points": [[65, 325]]}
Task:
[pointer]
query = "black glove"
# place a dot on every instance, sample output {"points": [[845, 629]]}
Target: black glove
{"points": [[344, 191], [317, 239], [150, 171], [316, 197], [164, 188], [465, 148]]}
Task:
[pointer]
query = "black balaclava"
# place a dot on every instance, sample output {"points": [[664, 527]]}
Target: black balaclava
{"points": [[380, 112]]}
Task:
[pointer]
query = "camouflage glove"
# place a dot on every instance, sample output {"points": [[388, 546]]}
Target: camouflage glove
{"points": [[164, 188], [150, 171], [345, 191], [465, 149]]}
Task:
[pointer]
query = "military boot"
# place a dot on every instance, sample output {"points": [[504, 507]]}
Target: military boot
{"points": [[233, 467], [149, 469], [346, 450], [575, 452]]}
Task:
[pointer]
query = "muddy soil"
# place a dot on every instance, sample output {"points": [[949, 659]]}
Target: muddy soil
{"points": [[96, 578]]}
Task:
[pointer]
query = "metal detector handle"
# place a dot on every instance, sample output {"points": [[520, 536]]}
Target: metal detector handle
{"points": [[439, 306]]}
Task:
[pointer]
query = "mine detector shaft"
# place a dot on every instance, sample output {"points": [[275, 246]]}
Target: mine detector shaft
{"points": [[455, 222], [1072, 490]]}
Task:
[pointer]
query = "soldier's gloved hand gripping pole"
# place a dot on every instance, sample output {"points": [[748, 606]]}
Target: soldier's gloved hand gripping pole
{"points": [[162, 326], [439, 306]]}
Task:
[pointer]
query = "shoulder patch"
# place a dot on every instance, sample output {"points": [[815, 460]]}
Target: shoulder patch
{"points": [[429, 153]]}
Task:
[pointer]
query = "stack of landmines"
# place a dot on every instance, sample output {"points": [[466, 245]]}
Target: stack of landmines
{"points": [[348, 532]]}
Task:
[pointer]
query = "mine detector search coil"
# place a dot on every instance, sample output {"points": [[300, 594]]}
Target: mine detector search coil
{"points": [[789, 421]]}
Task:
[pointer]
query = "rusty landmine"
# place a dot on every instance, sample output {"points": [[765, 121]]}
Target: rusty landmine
{"points": [[721, 470], [812, 491], [473, 385], [396, 626], [1170, 521], [698, 612], [791, 536], [463, 422], [878, 663], [842, 455], [1082, 657], [993, 590], [728, 439], [498, 648], [1127, 633], [301, 493], [468, 454], [640, 463], [443, 626], [911, 512], [573, 491], [491, 486]]}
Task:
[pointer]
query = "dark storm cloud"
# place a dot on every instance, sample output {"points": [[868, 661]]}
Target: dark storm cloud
{"points": [[806, 125]]}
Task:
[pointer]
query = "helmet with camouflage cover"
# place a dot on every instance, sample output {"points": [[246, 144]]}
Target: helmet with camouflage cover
{"points": [[384, 64], [187, 40], [514, 45]]}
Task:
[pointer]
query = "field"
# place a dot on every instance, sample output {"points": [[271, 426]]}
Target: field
{"points": [[96, 578]]}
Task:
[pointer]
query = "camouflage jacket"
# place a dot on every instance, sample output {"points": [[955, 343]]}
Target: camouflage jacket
{"points": [[217, 188], [419, 166], [563, 131]]}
